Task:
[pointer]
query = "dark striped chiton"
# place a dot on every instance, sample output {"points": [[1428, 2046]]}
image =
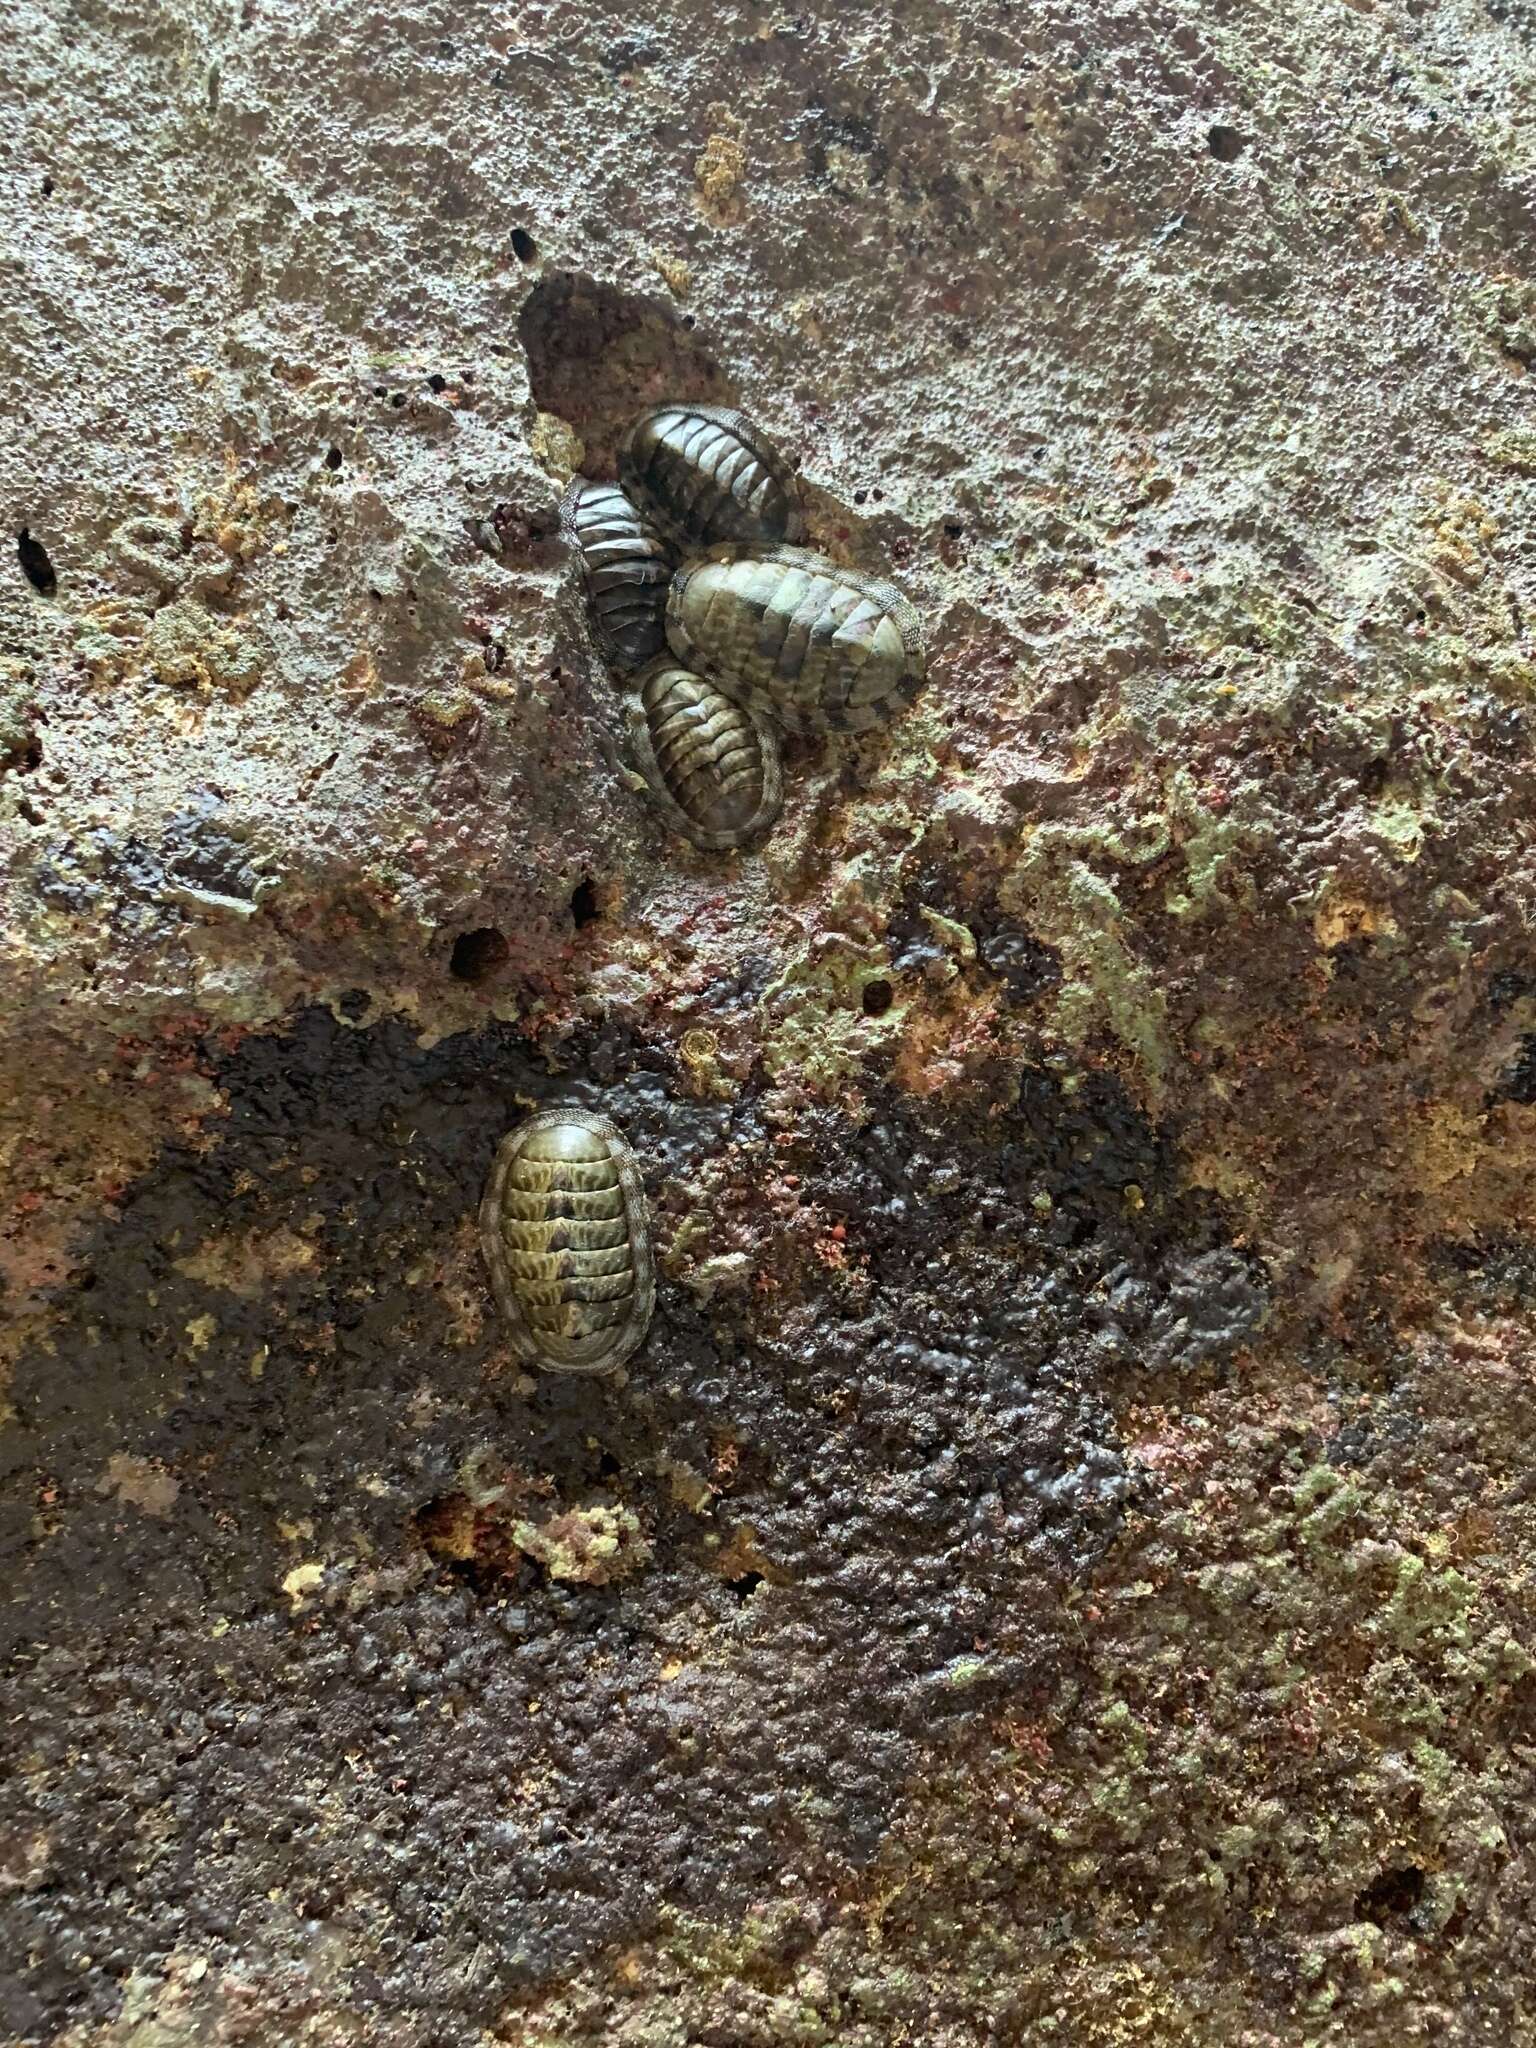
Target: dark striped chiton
{"points": [[711, 765], [819, 648], [709, 475], [567, 1240], [625, 566]]}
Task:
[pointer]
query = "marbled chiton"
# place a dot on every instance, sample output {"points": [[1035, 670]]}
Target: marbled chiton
{"points": [[709, 475], [790, 634], [626, 567], [567, 1240], [711, 764]]}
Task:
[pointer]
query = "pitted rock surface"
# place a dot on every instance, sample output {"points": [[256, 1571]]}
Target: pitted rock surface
{"points": [[1057, 1571]]}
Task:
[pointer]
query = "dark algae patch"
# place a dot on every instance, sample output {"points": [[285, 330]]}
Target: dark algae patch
{"points": [[311, 1619]]}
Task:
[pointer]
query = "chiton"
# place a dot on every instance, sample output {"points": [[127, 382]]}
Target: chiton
{"points": [[711, 765], [566, 1237], [626, 567], [710, 476], [789, 633]]}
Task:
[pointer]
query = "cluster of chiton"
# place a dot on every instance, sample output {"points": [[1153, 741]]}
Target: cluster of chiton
{"points": [[722, 626]]}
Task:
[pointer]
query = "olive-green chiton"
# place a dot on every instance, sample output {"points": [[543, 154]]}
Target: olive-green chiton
{"points": [[709, 475], [625, 566], [790, 634], [567, 1240], [711, 765]]}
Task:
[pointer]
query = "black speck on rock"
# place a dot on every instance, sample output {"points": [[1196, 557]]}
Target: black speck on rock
{"points": [[1518, 1083]]}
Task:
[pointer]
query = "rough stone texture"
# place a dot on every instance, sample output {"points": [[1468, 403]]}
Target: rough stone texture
{"points": [[1059, 1570]]}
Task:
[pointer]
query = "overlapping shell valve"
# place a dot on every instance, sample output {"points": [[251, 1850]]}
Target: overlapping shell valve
{"points": [[723, 630]]}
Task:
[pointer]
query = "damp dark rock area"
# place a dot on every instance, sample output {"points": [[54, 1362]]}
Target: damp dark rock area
{"points": [[913, 1481]]}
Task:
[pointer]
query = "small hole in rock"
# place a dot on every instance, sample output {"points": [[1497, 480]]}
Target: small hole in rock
{"points": [[584, 906], [437, 381], [745, 1586], [1225, 144], [477, 955], [47, 188], [953, 529], [524, 247], [468, 1545], [1394, 1893], [333, 458], [35, 565], [1518, 1081], [876, 998]]}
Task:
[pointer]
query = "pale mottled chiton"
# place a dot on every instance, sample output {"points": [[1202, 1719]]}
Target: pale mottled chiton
{"points": [[625, 566], [710, 764], [710, 475], [566, 1237], [789, 633]]}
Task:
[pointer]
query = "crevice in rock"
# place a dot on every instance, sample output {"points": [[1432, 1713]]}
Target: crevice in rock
{"points": [[36, 564], [478, 955], [598, 355]]}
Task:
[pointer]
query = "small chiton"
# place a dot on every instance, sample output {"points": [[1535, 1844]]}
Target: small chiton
{"points": [[711, 765], [710, 475], [789, 633], [626, 567], [567, 1241]]}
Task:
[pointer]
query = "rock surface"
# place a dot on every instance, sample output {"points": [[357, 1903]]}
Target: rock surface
{"points": [[1059, 1570]]}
